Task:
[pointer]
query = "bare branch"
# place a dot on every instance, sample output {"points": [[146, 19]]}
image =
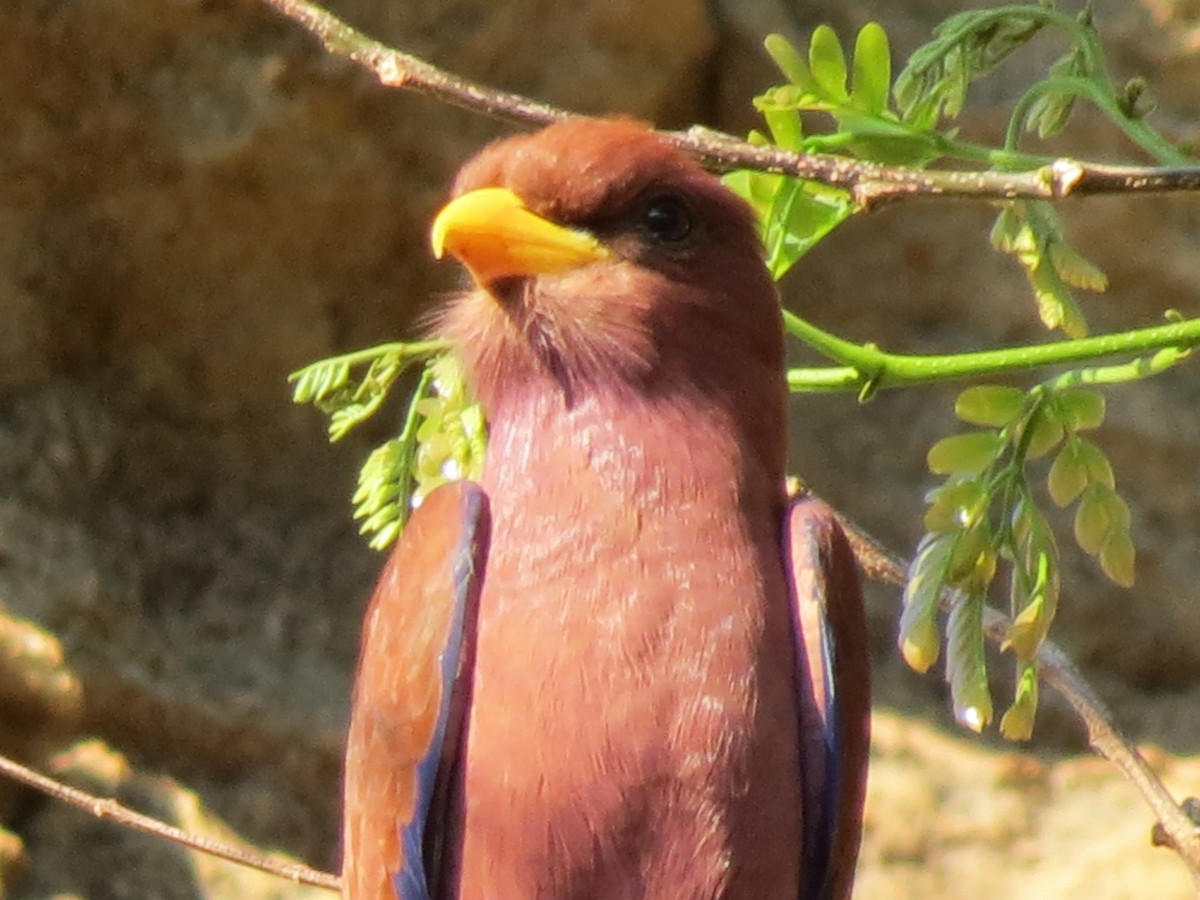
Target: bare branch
{"points": [[870, 184], [104, 808], [1175, 827], [402, 70]]}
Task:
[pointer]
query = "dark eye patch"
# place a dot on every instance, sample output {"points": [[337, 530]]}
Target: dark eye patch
{"points": [[666, 219]]}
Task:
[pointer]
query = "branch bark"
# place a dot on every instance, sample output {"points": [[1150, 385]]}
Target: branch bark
{"points": [[106, 808], [870, 184]]}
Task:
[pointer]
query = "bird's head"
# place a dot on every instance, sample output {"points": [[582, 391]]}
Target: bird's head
{"points": [[605, 259]]}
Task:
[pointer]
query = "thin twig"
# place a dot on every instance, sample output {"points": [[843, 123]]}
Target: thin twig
{"points": [[105, 808], [402, 70], [1175, 827], [870, 184]]}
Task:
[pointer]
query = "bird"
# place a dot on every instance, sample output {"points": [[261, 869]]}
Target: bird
{"points": [[625, 662]]}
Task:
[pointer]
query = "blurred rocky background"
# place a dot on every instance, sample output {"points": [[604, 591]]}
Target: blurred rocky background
{"points": [[195, 200]]}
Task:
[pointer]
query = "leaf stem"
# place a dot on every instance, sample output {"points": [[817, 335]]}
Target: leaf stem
{"points": [[400, 349], [408, 443], [866, 368], [1102, 97]]}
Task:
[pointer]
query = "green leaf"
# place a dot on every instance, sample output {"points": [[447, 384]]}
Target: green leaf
{"points": [[1031, 230], [443, 437], [966, 666], [919, 642], [968, 454], [452, 436], [1008, 229], [386, 534], [1082, 460], [368, 396], [1055, 303], [378, 501], [1092, 458], [973, 562], [385, 515], [956, 505], [1068, 474], [1047, 432], [1028, 629], [789, 60], [1049, 113], [755, 188], [1081, 409], [1091, 521], [827, 62], [1117, 558], [1034, 598], [794, 215], [965, 47], [1076, 270], [1034, 589], [1017, 723], [989, 405], [872, 69], [881, 141], [1101, 513], [787, 130], [331, 386], [315, 382]]}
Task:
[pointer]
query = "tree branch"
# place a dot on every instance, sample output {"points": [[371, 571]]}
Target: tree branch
{"points": [[1175, 827], [402, 70], [870, 184], [867, 369], [105, 808]]}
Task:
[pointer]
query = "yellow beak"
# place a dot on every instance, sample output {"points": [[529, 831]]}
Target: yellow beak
{"points": [[495, 235]]}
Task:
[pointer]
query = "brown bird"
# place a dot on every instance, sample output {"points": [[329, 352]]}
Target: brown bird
{"points": [[624, 664]]}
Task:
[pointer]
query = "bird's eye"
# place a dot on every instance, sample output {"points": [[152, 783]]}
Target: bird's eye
{"points": [[667, 219]]}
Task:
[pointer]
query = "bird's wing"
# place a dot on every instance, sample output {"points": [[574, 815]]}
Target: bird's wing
{"points": [[833, 679], [410, 699]]}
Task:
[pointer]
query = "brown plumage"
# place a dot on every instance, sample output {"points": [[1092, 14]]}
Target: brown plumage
{"points": [[639, 709]]}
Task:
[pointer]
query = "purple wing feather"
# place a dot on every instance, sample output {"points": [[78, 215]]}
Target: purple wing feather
{"points": [[410, 701], [833, 681]]}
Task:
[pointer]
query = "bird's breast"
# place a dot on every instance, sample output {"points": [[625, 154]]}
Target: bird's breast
{"points": [[632, 730]]}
